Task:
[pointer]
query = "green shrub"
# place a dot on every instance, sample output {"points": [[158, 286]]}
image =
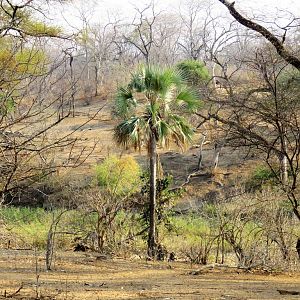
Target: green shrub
{"points": [[261, 176], [194, 71], [28, 226], [119, 176]]}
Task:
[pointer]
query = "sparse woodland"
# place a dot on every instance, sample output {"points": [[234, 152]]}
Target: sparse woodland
{"points": [[160, 135]]}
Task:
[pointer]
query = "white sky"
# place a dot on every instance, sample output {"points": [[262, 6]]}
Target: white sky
{"points": [[290, 5], [98, 10]]}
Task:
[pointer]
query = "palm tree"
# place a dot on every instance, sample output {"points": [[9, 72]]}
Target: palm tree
{"points": [[149, 107]]}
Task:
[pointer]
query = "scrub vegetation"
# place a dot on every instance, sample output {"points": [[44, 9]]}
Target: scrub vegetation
{"points": [[168, 144]]}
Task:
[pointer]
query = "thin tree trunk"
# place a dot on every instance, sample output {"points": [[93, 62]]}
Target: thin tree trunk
{"points": [[223, 248], [99, 239], [152, 204], [284, 162], [51, 238], [201, 151], [214, 75], [49, 248], [218, 250], [217, 150], [96, 81], [283, 170]]}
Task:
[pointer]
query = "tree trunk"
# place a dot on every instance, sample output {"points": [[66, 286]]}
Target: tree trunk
{"points": [[96, 81], [201, 151], [152, 203], [214, 75], [284, 162], [217, 150], [298, 247], [49, 248], [99, 236], [284, 170]]}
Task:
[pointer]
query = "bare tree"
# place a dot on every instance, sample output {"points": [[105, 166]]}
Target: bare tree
{"points": [[278, 43], [37, 92], [142, 34], [196, 20], [262, 114]]}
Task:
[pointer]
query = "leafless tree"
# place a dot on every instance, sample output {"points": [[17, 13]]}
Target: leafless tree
{"points": [[37, 92], [142, 34], [264, 113], [278, 43]]}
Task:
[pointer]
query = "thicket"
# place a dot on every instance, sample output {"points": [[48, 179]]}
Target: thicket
{"points": [[254, 230]]}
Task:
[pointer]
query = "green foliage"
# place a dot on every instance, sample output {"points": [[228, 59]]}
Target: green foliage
{"points": [[36, 28], [18, 61], [7, 104], [289, 79], [191, 226], [193, 237], [120, 176], [154, 101], [6, 13], [124, 102], [165, 198], [30, 61], [194, 71], [24, 22], [19, 56], [210, 210], [262, 175], [288, 89], [28, 225], [22, 214], [155, 80], [83, 37]]}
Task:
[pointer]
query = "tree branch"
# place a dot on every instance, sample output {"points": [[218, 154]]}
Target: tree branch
{"points": [[277, 43]]}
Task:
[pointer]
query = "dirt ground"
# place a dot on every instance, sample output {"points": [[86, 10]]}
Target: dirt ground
{"points": [[86, 276]]}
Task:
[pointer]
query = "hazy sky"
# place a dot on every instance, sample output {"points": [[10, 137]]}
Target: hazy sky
{"points": [[98, 10], [291, 5]]}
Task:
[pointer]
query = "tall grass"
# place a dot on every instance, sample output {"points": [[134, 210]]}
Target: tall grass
{"points": [[27, 227], [187, 231]]}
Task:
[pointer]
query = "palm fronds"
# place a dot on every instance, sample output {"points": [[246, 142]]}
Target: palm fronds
{"points": [[125, 102], [131, 132], [166, 95]]}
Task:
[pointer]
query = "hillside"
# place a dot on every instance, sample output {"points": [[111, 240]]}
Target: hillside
{"points": [[94, 125]]}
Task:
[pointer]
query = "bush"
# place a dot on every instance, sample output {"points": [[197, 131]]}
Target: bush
{"points": [[194, 71], [261, 175], [192, 237], [27, 226], [117, 180], [118, 175]]}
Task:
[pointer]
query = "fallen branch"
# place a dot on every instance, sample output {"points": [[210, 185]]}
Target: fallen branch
{"points": [[188, 178], [15, 293]]}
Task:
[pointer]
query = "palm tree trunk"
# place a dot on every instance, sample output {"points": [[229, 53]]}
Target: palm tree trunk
{"points": [[152, 204]]}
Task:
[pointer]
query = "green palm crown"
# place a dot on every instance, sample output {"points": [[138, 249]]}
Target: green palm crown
{"points": [[154, 102]]}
